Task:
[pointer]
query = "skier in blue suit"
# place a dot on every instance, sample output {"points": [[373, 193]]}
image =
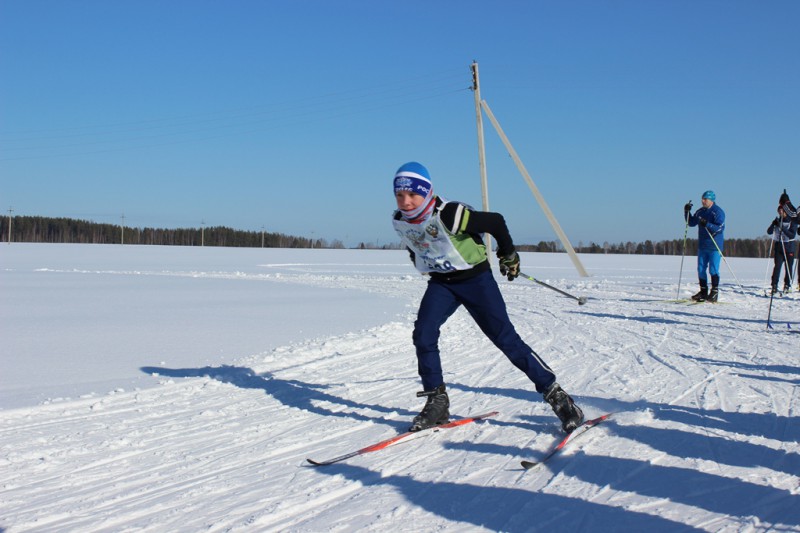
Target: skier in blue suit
{"points": [[710, 220]]}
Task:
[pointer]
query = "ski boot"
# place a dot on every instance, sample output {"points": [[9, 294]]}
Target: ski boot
{"points": [[570, 414], [702, 295], [436, 411], [713, 295]]}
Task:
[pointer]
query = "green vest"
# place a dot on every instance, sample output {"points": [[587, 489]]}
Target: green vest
{"points": [[438, 250]]}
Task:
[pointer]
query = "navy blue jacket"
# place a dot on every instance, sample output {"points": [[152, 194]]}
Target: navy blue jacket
{"points": [[787, 230]]}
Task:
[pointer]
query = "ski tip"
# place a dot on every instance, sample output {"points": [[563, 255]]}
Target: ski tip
{"points": [[468, 420], [527, 465], [582, 300], [595, 421]]}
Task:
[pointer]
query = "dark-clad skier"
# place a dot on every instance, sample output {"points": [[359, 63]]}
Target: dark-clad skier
{"points": [[784, 232]]}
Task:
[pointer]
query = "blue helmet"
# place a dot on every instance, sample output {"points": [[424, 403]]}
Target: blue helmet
{"points": [[709, 195]]}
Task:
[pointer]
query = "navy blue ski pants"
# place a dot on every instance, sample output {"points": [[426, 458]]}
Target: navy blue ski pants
{"points": [[481, 297], [784, 253]]}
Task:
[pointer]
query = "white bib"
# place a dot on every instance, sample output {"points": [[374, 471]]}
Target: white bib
{"points": [[434, 251]]}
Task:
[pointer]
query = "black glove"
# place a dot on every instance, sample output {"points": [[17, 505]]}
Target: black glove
{"points": [[687, 207], [776, 222], [509, 266], [702, 222]]}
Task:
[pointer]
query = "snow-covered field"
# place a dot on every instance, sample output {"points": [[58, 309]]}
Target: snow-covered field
{"points": [[182, 389]]}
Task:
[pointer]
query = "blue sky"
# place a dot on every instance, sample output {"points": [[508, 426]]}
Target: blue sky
{"points": [[294, 115]]}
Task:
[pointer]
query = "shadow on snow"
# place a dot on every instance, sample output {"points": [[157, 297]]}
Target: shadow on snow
{"points": [[517, 509], [505, 508], [290, 392]]}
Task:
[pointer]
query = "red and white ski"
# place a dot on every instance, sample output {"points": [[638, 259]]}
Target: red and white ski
{"points": [[402, 437], [577, 432]]}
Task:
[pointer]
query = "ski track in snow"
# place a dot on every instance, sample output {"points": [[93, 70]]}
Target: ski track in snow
{"points": [[704, 434]]}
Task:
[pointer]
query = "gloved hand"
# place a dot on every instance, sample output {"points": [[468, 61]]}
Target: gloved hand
{"points": [[702, 221], [509, 266], [776, 222], [687, 207]]}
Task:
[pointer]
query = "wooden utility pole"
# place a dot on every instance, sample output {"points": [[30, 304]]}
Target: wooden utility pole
{"points": [[122, 227], [476, 89], [10, 210]]}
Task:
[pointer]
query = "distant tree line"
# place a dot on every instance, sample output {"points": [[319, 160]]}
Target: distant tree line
{"points": [[69, 230], [758, 247]]}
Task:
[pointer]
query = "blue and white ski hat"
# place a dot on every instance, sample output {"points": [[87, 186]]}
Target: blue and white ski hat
{"points": [[413, 177], [709, 195]]}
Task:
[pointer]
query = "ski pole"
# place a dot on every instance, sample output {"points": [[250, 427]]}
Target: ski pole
{"points": [[683, 253], [769, 314], [788, 270], [797, 269], [581, 300], [789, 274], [724, 259], [769, 256]]}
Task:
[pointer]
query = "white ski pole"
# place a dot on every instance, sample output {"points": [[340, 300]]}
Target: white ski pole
{"points": [[724, 259], [766, 274], [787, 270]]}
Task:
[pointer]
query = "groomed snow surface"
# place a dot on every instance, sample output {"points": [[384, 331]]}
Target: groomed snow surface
{"points": [[182, 389]]}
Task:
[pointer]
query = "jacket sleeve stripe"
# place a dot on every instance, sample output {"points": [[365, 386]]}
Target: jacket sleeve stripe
{"points": [[458, 224]]}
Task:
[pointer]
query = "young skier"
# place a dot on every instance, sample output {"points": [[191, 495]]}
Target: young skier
{"points": [[444, 240], [784, 231], [710, 242]]}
